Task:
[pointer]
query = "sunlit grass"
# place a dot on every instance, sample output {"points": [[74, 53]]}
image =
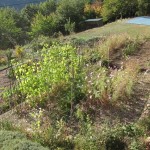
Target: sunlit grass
{"points": [[117, 27]]}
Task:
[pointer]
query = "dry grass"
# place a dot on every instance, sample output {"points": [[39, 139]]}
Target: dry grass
{"points": [[123, 81], [113, 43]]}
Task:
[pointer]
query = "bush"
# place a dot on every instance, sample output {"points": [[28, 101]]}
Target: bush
{"points": [[44, 25], [58, 76], [93, 10], [112, 45], [16, 141], [71, 9], [47, 7], [9, 32], [114, 143], [144, 7], [116, 9]]}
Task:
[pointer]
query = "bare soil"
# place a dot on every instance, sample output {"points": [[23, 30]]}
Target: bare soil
{"points": [[4, 82]]}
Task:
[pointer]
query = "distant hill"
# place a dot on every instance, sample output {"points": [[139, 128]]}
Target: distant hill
{"points": [[18, 4]]}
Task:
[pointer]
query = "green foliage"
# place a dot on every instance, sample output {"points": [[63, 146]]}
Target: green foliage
{"points": [[69, 27], [6, 125], [55, 137], [44, 25], [131, 47], [37, 44], [8, 30], [145, 123], [59, 72], [29, 12], [48, 7], [137, 145], [14, 140], [116, 9], [71, 9], [144, 7]]}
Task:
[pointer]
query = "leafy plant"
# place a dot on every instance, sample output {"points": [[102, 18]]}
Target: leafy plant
{"points": [[60, 65], [14, 140]]}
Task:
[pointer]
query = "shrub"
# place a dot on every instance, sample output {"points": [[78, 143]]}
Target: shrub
{"points": [[143, 6], [44, 25], [93, 10], [9, 32], [131, 47], [115, 143], [19, 51], [47, 7], [69, 26], [116, 9], [122, 83], [73, 9], [14, 140], [3, 61], [59, 72], [112, 45]]}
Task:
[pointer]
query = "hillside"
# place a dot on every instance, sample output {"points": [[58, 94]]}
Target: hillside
{"points": [[18, 3], [115, 118], [120, 26]]}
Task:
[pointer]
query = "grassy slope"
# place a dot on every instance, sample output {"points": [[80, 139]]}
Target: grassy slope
{"points": [[132, 109], [114, 28]]}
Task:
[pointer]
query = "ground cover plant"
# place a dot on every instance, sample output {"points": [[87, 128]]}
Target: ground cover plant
{"points": [[14, 140]]}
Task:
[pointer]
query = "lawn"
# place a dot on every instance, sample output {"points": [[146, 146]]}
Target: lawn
{"points": [[117, 27]]}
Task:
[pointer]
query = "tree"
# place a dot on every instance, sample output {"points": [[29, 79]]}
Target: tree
{"points": [[144, 7], [71, 9], [116, 9], [48, 7], [44, 25], [9, 32], [30, 11]]}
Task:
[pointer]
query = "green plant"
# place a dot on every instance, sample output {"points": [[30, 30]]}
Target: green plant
{"points": [[116, 9], [69, 26], [19, 51], [86, 138], [137, 145], [112, 45], [131, 47], [44, 25], [122, 83], [59, 72], [37, 115], [14, 140], [73, 9], [143, 7]]}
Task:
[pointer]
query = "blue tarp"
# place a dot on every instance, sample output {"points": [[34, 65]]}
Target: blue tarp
{"points": [[145, 20]]}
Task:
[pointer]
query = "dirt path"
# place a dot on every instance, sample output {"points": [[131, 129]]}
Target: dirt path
{"points": [[4, 82], [142, 89]]}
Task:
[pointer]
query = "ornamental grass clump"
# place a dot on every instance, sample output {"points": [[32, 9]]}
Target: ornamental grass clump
{"points": [[111, 45], [122, 83]]}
